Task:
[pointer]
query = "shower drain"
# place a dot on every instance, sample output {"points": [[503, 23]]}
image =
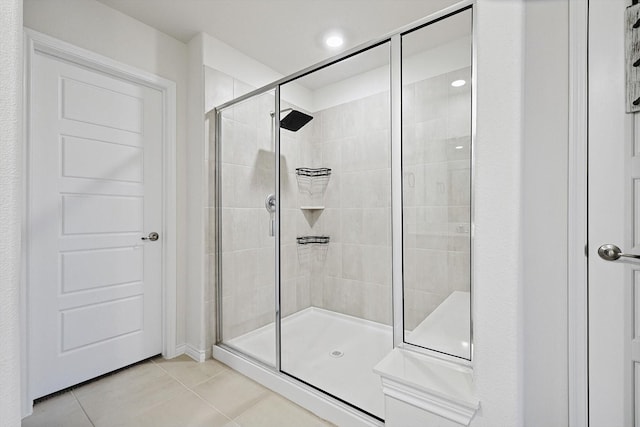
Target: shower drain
{"points": [[337, 353]]}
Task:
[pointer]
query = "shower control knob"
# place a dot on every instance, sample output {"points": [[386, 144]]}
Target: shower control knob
{"points": [[153, 236]]}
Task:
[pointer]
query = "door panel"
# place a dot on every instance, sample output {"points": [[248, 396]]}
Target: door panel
{"points": [[90, 214], [125, 317], [86, 158], [94, 191], [116, 110], [82, 270]]}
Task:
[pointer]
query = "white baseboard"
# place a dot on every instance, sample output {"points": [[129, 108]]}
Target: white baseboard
{"points": [[180, 350], [195, 354]]}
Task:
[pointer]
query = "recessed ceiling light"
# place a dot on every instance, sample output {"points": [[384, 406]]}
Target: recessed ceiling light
{"points": [[334, 40], [459, 147], [458, 83]]}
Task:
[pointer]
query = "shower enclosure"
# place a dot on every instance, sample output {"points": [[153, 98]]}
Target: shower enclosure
{"points": [[343, 198]]}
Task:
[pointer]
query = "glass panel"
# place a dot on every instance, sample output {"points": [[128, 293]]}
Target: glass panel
{"points": [[436, 165], [336, 221], [247, 247]]}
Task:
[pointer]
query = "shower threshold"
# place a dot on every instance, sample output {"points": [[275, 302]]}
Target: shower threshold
{"points": [[331, 351]]}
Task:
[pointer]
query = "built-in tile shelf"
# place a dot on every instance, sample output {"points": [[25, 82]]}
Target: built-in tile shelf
{"points": [[312, 208]]}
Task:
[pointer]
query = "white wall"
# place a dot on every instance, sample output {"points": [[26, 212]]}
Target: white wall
{"points": [[497, 270], [10, 208], [92, 25], [545, 198], [224, 58], [196, 315]]}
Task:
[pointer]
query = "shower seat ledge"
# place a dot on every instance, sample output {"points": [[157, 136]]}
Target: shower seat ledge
{"points": [[436, 387]]}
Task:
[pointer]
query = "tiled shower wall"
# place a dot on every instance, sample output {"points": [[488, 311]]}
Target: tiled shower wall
{"points": [[356, 278], [247, 176], [355, 141], [352, 139], [436, 192]]}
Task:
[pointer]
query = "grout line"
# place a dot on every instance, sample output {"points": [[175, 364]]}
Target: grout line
{"points": [[214, 406], [212, 377], [223, 366], [163, 401], [211, 405], [173, 377], [82, 407]]}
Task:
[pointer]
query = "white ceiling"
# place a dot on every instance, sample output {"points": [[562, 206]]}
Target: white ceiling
{"points": [[285, 35]]}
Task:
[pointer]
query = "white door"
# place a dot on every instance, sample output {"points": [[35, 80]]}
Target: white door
{"points": [[94, 191], [614, 218]]}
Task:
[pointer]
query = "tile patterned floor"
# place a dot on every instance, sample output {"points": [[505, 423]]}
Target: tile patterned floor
{"points": [[171, 393]]}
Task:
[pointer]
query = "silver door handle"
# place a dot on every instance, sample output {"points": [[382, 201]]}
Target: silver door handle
{"points": [[153, 236], [611, 252]]}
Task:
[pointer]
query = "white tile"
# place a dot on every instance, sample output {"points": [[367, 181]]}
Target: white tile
{"points": [[185, 410], [332, 196], [376, 188], [378, 304], [376, 229], [266, 264], [121, 397], [288, 296], [460, 187], [377, 264], [376, 113], [353, 190], [274, 410], [431, 99], [231, 393], [333, 296], [408, 104], [377, 150], [432, 271], [352, 262], [459, 271], [333, 262], [245, 264], [59, 411], [432, 182], [351, 223], [355, 297]]}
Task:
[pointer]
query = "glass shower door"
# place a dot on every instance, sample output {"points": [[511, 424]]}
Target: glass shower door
{"points": [[436, 165], [335, 286], [246, 242]]}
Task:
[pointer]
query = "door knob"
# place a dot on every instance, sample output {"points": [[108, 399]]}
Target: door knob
{"points": [[153, 236], [611, 252]]}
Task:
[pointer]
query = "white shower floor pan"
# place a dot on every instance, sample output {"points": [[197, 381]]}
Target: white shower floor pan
{"points": [[331, 351]]}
